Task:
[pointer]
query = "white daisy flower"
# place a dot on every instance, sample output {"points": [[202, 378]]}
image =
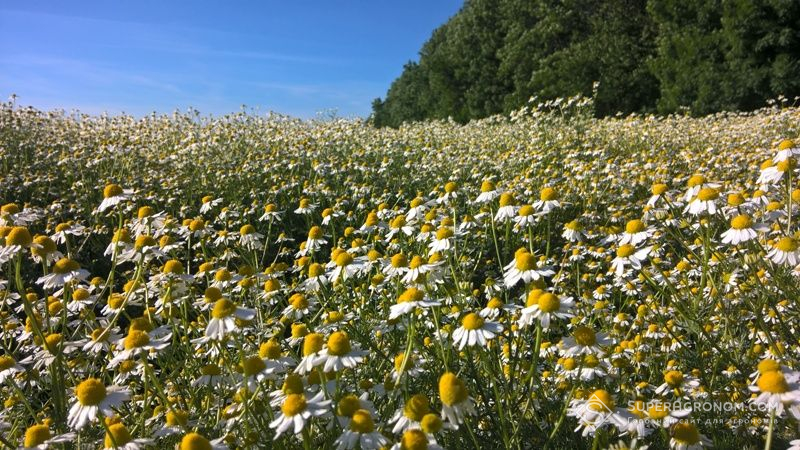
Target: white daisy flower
{"points": [[544, 306], [296, 410], [223, 318], [474, 330], [94, 398]]}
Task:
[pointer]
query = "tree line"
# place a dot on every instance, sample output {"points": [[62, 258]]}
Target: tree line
{"points": [[657, 56]]}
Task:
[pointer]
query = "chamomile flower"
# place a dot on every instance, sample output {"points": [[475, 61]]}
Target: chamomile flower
{"points": [[785, 251], [628, 255], [196, 441], [488, 192], [361, 433], [544, 306], [686, 436], [118, 437], [411, 414], [40, 437], [524, 268], [456, 402], [298, 409], [9, 368], [598, 410], [411, 299], [777, 391], [113, 195], [223, 318], [338, 353], [92, 399], [585, 341], [635, 233], [475, 330], [548, 201], [742, 230]]}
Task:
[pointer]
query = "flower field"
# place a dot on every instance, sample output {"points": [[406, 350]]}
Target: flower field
{"points": [[545, 280]]}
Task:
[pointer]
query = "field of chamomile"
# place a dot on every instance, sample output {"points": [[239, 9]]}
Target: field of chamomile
{"points": [[544, 280]]}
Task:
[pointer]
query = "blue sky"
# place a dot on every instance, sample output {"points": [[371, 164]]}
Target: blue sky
{"points": [[292, 57]]}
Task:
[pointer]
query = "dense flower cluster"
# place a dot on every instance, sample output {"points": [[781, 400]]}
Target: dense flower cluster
{"points": [[536, 281]]}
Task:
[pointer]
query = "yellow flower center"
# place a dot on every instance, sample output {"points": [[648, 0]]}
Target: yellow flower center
{"points": [[495, 303], [472, 321], [315, 233], [46, 246], [416, 407], [533, 297], [145, 211], [658, 188], [685, 433], [312, 344], [294, 404], [52, 342], [344, 259], [696, 180], [338, 344], [253, 365], [431, 423], [399, 260], [222, 275], [136, 339], [65, 265], [36, 435], [144, 241], [601, 401], [196, 225], [634, 226], [673, 378], [112, 190], [786, 164], [411, 295], [298, 302], [741, 222], [90, 392], [348, 405], [173, 266], [117, 436], [9, 208], [223, 308], [707, 194], [487, 186], [658, 411], [773, 382], [270, 350], [525, 262], [507, 199], [177, 418], [293, 384], [526, 210], [625, 250], [569, 364], [786, 144], [452, 389], [584, 336], [548, 302], [547, 194], [444, 233], [6, 362], [786, 244], [735, 199], [362, 422], [211, 370], [194, 441], [768, 365]]}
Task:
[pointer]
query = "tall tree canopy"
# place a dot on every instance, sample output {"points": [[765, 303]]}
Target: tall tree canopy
{"points": [[647, 55]]}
